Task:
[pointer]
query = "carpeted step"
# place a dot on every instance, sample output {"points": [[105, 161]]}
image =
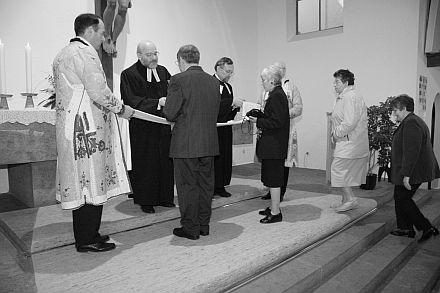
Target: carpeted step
{"points": [[370, 270], [314, 266]]}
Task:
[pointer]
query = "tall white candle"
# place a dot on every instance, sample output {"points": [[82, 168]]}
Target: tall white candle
{"points": [[28, 61], [2, 69]]}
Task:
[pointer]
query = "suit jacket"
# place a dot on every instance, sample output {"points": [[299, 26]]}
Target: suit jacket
{"points": [[412, 154], [193, 102], [274, 126]]}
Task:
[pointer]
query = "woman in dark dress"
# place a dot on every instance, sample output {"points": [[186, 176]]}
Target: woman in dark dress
{"points": [[273, 140]]}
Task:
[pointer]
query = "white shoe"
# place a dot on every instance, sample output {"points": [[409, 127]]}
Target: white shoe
{"points": [[349, 205]]}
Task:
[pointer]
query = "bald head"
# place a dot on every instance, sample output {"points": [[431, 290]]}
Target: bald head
{"points": [[147, 54]]}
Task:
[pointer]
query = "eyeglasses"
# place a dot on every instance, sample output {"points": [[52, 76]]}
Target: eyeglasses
{"points": [[229, 72], [151, 54]]}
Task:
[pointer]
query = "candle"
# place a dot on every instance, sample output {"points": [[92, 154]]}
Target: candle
{"points": [[28, 61], [2, 69]]}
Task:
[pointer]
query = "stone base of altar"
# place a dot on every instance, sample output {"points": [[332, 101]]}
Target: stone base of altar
{"points": [[28, 144], [33, 183]]}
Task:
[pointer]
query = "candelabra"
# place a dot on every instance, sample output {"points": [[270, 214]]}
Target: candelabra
{"points": [[4, 101], [29, 99]]}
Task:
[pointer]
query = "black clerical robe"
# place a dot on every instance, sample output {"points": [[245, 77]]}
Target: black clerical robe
{"points": [[223, 162], [152, 177]]}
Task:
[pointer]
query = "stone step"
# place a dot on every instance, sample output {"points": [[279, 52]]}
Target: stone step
{"points": [[421, 272], [314, 266], [370, 271]]}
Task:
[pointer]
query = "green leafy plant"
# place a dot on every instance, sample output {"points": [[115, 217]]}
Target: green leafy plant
{"points": [[50, 101], [380, 134]]}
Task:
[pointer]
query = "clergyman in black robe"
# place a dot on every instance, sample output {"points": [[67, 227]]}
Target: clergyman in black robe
{"points": [[144, 87], [228, 109]]}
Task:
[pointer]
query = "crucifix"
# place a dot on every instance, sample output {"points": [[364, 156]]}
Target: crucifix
{"points": [[106, 59]]}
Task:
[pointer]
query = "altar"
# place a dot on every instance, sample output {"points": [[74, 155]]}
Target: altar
{"points": [[28, 148]]}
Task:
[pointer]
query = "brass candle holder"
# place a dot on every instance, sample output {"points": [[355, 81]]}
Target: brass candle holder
{"points": [[4, 101], [29, 99]]}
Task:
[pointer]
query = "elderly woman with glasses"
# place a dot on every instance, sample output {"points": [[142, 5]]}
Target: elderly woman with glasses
{"points": [[273, 141]]}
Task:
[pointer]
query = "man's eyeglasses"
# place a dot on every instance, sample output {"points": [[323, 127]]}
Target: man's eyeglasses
{"points": [[151, 54], [228, 72]]}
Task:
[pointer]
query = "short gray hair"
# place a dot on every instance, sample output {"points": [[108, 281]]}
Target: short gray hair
{"points": [[273, 72]]}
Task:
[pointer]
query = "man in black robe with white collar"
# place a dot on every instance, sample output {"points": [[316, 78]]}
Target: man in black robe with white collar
{"points": [[224, 69], [144, 87]]}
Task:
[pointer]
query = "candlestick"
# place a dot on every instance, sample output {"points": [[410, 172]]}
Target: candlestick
{"points": [[29, 99], [4, 101], [2, 68], [28, 61]]}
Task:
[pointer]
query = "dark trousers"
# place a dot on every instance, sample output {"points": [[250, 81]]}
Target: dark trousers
{"points": [[86, 223], [286, 179], [407, 212], [223, 162], [195, 187]]}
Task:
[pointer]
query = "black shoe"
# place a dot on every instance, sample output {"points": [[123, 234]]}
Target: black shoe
{"points": [[272, 219], [225, 194], [402, 232], [203, 233], [428, 233], [167, 204], [179, 232], [104, 238], [222, 193], [130, 196], [148, 209], [96, 247], [266, 196], [265, 212]]}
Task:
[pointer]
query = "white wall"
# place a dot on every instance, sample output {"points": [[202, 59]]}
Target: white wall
{"points": [[379, 45], [217, 28]]}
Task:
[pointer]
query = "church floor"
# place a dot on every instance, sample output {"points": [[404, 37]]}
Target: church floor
{"points": [[150, 259]]}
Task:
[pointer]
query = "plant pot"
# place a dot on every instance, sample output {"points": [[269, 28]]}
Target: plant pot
{"points": [[370, 182], [386, 170]]}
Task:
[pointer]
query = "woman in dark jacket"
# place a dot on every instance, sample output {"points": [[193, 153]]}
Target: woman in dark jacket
{"points": [[273, 141]]}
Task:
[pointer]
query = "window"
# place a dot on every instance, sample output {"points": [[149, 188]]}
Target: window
{"points": [[313, 18]]}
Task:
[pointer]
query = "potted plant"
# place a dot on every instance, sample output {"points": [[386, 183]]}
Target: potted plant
{"points": [[380, 133]]}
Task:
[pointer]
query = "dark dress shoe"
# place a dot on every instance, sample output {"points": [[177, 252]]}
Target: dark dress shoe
{"points": [[179, 232], [148, 209], [428, 233], [225, 194], [402, 232], [266, 196], [104, 238], [269, 219], [204, 233], [265, 212], [167, 204], [96, 247]]}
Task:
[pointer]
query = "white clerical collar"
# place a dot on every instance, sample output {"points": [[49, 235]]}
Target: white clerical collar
{"points": [[221, 84], [84, 40], [156, 76]]}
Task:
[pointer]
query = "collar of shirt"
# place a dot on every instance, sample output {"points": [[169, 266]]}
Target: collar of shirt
{"points": [[154, 71]]}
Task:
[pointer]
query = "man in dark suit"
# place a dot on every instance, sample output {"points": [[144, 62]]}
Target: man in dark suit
{"points": [[193, 102], [412, 163], [224, 69]]}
